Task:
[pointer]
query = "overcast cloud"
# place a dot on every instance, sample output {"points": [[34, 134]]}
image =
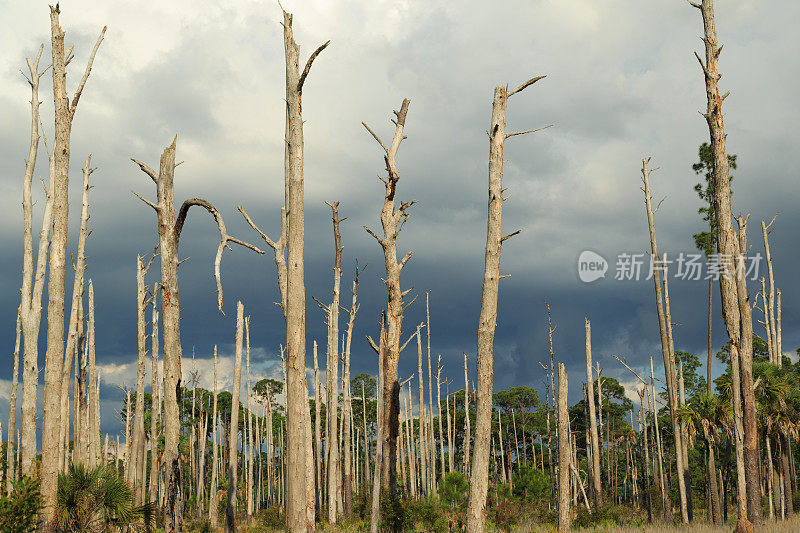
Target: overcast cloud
{"points": [[621, 84]]}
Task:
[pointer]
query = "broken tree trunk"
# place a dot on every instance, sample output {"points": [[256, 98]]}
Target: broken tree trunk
{"points": [[54, 357], [169, 232], [736, 309], [392, 220], [669, 366], [487, 322], [564, 511], [30, 310], [233, 431], [595, 445]]}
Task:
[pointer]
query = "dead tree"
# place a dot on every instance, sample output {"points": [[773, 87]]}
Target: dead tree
{"points": [[155, 392], [332, 371], [380, 408], [467, 432], [133, 468], [54, 358], [93, 424], [289, 260], [213, 503], [564, 511], [595, 445], [393, 218], [233, 431], [476, 513], [169, 232], [11, 452], [30, 310], [431, 440], [79, 266], [664, 328], [775, 356], [736, 308], [348, 489]]}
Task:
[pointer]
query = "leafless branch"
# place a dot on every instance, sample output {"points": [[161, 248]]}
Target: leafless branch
{"points": [[308, 65]]}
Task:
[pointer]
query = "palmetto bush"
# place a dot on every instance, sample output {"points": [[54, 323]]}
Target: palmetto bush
{"points": [[98, 500]]}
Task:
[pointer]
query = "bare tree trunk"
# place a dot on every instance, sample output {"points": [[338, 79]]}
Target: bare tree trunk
{"points": [[233, 432], [332, 372], [32, 284], [74, 317], [376, 478], [597, 491], [54, 358], [736, 309], [564, 512], [12, 412], [213, 505], [392, 220], [250, 440], [476, 512], [138, 452], [666, 504], [348, 484], [450, 448], [778, 331], [439, 412], [466, 442], [317, 427], [169, 231], [431, 440], [769, 299], [155, 410], [93, 424], [423, 455], [664, 327], [293, 296]]}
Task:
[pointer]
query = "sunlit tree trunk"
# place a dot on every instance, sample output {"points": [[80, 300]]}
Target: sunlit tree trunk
{"points": [[564, 511], [233, 431], [597, 492]]}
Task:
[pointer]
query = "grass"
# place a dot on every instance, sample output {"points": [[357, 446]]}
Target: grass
{"points": [[788, 526]]}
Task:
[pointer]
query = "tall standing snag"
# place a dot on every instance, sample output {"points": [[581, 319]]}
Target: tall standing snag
{"points": [[392, 219], [30, 310], [54, 358], [169, 232], [595, 446], [736, 308], [564, 453], [476, 513]]}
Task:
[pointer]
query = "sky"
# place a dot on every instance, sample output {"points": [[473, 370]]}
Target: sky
{"points": [[622, 84]]}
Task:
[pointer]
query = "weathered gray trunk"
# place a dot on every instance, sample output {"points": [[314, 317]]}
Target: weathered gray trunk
{"points": [[597, 492], [665, 328], [11, 451], [564, 511], [155, 412], [213, 503], [736, 308], [487, 322], [32, 283], [392, 220], [54, 357], [233, 431]]}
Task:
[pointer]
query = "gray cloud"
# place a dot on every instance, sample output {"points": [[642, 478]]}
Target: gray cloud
{"points": [[622, 84]]}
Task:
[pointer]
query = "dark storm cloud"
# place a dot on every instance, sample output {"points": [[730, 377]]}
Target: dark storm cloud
{"points": [[622, 84]]}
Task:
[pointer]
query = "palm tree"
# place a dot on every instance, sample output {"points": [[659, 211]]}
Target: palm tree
{"points": [[708, 416], [779, 420], [98, 500]]}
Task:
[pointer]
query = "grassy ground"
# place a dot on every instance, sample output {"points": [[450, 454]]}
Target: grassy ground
{"points": [[789, 526]]}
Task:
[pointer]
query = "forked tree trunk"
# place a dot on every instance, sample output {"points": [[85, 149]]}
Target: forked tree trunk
{"points": [[54, 358], [564, 511], [348, 484], [169, 231], [664, 328], [30, 310], [487, 322], [392, 220], [736, 308]]}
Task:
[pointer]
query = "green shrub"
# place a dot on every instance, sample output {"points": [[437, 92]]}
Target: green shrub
{"points": [[453, 489], [273, 517], [19, 510], [428, 513], [530, 483]]}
